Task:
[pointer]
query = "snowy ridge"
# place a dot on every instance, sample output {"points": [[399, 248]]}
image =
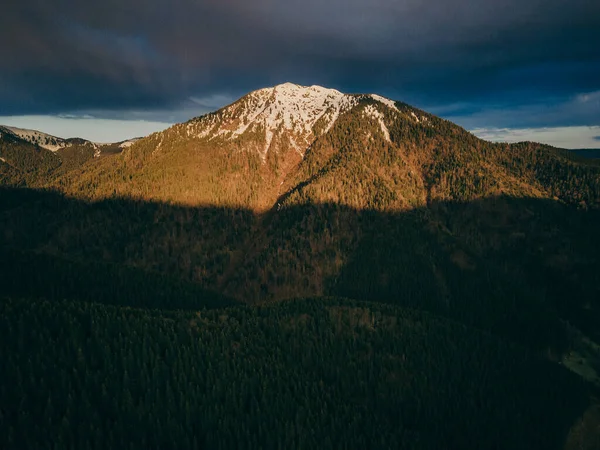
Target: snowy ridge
{"points": [[128, 143], [298, 113], [43, 140], [386, 101]]}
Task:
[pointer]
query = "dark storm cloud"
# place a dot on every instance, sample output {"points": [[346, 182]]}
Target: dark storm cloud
{"points": [[152, 55]]}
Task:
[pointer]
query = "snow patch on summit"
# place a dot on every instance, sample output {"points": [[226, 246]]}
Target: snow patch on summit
{"points": [[287, 109], [297, 114]]}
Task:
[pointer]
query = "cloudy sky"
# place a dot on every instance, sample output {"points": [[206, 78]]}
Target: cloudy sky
{"points": [[109, 70]]}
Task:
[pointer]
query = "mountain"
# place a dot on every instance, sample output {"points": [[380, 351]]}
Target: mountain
{"points": [[253, 146], [295, 193], [38, 138], [296, 187], [593, 153], [264, 145], [286, 114], [32, 158]]}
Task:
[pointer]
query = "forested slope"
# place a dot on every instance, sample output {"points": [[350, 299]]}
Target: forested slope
{"points": [[305, 374]]}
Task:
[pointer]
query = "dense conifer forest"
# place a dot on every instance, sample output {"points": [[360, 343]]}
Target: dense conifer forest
{"points": [[304, 374]]}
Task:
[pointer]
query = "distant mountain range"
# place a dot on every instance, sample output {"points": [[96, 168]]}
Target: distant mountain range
{"points": [[31, 158], [53, 143], [297, 192], [593, 153]]}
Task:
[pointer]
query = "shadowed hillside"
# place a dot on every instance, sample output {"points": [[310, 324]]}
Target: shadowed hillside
{"points": [[39, 275], [591, 153], [517, 267], [303, 374]]}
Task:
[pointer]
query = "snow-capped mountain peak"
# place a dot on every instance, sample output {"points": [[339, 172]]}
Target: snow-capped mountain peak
{"points": [[298, 113], [38, 138]]}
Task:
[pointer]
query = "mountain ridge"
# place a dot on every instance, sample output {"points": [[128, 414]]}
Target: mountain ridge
{"points": [[54, 143], [33, 158]]}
